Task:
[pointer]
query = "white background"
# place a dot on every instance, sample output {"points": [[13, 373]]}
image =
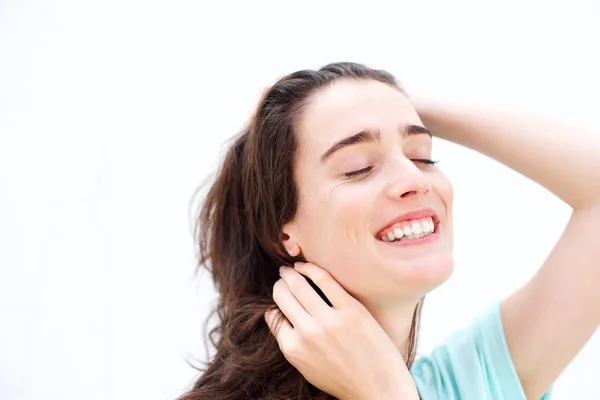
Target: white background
{"points": [[112, 113]]}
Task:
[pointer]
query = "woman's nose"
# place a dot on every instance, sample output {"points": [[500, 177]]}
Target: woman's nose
{"points": [[408, 181]]}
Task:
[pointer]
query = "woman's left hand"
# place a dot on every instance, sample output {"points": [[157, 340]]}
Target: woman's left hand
{"points": [[342, 349]]}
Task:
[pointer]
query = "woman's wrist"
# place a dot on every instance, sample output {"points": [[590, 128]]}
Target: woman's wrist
{"points": [[400, 394], [396, 388], [430, 113]]}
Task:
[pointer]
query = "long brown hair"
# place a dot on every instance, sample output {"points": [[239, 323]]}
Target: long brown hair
{"points": [[239, 232]]}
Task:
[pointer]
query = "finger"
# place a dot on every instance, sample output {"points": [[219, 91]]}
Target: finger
{"points": [[304, 292], [332, 290], [289, 305], [278, 324]]}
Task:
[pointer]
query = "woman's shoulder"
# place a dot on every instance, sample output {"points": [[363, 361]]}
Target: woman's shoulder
{"points": [[473, 363]]}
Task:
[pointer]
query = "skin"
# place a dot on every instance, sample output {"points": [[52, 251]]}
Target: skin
{"points": [[375, 284], [341, 213], [350, 364]]}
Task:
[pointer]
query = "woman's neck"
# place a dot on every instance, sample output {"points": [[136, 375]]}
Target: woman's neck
{"points": [[396, 320]]}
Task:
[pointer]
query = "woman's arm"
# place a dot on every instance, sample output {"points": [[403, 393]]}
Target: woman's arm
{"points": [[550, 319]]}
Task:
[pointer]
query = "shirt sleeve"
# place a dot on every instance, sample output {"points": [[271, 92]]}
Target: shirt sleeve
{"points": [[472, 364]]}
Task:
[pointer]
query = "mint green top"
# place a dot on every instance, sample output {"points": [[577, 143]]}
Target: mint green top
{"points": [[472, 364]]}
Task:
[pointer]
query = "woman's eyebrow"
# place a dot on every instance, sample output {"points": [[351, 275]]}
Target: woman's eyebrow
{"points": [[371, 136]]}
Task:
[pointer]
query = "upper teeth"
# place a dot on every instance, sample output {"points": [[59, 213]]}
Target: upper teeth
{"points": [[407, 230]]}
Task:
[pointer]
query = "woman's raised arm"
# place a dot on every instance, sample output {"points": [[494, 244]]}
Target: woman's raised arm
{"points": [[550, 319]]}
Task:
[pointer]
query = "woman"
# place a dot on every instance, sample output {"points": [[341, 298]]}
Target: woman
{"points": [[333, 180]]}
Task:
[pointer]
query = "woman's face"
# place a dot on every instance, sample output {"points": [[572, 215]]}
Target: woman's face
{"points": [[363, 184]]}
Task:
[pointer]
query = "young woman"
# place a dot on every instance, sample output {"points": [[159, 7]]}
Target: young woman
{"points": [[332, 180]]}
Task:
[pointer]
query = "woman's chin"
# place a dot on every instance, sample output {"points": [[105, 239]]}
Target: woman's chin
{"points": [[424, 273]]}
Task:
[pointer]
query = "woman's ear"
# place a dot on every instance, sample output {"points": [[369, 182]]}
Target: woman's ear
{"points": [[291, 246]]}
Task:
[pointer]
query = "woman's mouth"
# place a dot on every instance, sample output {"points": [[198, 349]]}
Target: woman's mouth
{"points": [[408, 230]]}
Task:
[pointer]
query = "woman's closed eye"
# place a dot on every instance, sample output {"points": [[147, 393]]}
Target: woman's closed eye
{"points": [[424, 161], [359, 172], [365, 171]]}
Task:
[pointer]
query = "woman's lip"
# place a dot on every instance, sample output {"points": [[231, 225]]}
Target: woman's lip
{"points": [[422, 213]]}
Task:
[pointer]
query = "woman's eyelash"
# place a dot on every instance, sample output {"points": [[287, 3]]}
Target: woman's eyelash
{"points": [[359, 172], [425, 161], [368, 169]]}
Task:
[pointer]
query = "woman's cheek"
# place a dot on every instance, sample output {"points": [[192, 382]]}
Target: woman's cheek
{"points": [[353, 197], [443, 186]]}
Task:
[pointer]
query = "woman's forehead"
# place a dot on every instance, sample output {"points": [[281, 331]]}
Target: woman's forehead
{"points": [[348, 107]]}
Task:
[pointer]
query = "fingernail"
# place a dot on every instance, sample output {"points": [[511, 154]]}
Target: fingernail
{"points": [[281, 269], [298, 264]]}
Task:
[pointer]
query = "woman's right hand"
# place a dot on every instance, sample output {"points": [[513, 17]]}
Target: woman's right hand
{"points": [[342, 349]]}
